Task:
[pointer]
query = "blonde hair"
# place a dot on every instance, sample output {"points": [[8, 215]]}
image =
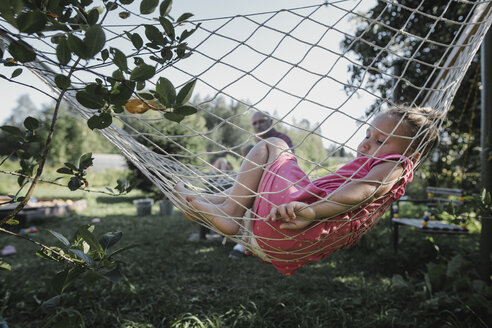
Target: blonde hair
{"points": [[420, 124]]}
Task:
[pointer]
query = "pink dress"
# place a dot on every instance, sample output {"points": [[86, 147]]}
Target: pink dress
{"points": [[288, 250]]}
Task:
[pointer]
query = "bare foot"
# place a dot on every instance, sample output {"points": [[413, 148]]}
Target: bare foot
{"points": [[188, 211]]}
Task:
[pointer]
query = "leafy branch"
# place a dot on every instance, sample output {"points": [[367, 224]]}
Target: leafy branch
{"points": [[77, 35]]}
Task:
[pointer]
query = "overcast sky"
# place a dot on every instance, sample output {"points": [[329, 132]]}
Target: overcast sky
{"points": [[326, 92]]}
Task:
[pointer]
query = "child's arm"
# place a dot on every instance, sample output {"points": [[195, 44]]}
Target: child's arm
{"points": [[379, 181]]}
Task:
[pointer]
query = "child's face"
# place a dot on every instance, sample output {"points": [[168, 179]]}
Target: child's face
{"points": [[378, 140]]}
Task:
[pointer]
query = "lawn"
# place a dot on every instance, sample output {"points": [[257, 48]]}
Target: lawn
{"points": [[172, 282]]}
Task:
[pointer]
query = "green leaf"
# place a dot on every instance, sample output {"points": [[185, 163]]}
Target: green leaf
{"points": [[31, 22], [100, 121], [62, 280], [47, 254], [166, 92], [104, 54], [111, 5], [118, 108], [185, 93], [142, 72], [63, 52], [140, 85], [84, 257], [70, 166], [62, 81], [60, 237], [93, 16], [110, 238], [118, 75], [184, 17], [94, 40], [148, 6], [126, 2], [174, 117], [75, 183], [16, 73], [165, 7], [186, 33], [85, 161], [31, 123], [115, 275], [154, 35], [120, 250], [124, 93], [13, 130], [454, 265], [77, 46], [136, 40], [181, 50], [13, 221], [168, 27], [51, 305], [119, 59], [52, 5], [24, 154], [89, 100], [89, 237], [64, 170], [5, 266], [22, 52], [167, 53], [146, 95], [185, 110]]}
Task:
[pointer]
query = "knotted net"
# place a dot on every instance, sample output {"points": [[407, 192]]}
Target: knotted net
{"points": [[288, 62]]}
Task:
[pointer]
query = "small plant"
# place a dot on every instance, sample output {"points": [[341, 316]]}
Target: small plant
{"points": [[86, 257]]}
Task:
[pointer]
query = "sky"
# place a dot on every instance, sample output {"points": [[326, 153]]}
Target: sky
{"points": [[295, 84]]}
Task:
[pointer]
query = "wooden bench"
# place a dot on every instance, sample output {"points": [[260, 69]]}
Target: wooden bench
{"points": [[426, 223]]}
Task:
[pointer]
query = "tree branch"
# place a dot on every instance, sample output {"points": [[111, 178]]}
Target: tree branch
{"points": [[44, 156]]}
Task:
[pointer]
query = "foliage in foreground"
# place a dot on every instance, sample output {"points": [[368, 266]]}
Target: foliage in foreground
{"points": [[176, 283]]}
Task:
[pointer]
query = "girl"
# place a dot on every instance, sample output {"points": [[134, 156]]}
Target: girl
{"points": [[299, 221]]}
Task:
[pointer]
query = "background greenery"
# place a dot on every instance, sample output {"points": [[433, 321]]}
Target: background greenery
{"points": [[173, 282]]}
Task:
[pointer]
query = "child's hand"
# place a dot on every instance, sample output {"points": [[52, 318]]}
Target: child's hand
{"points": [[295, 215]]}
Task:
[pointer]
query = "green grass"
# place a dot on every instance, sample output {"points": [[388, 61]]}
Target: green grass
{"points": [[177, 283]]}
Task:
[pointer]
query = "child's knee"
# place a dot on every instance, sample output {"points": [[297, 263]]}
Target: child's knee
{"points": [[277, 143]]}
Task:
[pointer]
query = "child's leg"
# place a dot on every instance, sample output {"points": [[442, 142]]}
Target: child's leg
{"points": [[243, 192]]}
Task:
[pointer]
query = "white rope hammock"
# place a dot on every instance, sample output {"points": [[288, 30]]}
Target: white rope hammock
{"points": [[250, 59]]}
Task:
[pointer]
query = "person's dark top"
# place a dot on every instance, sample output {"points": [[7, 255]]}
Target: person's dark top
{"points": [[283, 136]]}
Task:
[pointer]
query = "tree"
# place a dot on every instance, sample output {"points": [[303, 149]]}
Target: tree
{"points": [[71, 127], [455, 162], [307, 144], [24, 108], [228, 123], [171, 149]]}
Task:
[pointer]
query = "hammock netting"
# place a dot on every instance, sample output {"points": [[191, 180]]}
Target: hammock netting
{"points": [[249, 59]]}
